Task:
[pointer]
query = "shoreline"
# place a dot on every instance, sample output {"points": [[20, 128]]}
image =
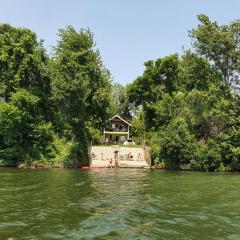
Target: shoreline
{"points": [[61, 166]]}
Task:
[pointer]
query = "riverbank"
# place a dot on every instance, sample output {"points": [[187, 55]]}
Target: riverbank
{"points": [[40, 165], [105, 165]]}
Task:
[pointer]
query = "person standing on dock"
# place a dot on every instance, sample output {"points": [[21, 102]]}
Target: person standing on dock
{"points": [[116, 158], [116, 161], [110, 163]]}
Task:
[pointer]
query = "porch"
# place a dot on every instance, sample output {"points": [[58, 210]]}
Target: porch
{"points": [[115, 137]]}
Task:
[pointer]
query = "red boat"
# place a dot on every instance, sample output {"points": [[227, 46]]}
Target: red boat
{"points": [[89, 168]]}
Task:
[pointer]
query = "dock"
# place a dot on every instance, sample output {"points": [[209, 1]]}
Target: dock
{"points": [[119, 156]]}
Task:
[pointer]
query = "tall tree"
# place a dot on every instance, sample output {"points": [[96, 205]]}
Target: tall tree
{"points": [[120, 102], [23, 63], [197, 73], [25, 91], [159, 77], [220, 44], [81, 85]]}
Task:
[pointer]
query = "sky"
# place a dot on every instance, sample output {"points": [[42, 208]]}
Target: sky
{"points": [[127, 32]]}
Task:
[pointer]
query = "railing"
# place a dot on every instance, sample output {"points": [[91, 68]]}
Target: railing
{"points": [[115, 130]]}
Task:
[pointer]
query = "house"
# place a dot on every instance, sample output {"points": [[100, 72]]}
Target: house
{"points": [[116, 130]]}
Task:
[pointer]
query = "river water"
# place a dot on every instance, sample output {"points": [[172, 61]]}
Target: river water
{"points": [[118, 204]]}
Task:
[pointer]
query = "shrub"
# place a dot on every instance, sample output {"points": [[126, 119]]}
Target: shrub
{"points": [[176, 144], [208, 157], [230, 147]]}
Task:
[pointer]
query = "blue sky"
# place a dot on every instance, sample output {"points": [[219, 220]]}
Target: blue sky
{"points": [[127, 32]]}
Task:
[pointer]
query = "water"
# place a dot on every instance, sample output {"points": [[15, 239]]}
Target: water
{"points": [[118, 204]]}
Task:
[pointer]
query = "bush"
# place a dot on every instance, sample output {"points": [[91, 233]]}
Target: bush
{"points": [[44, 146], [24, 135], [208, 157], [77, 155], [95, 135], [176, 144], [230, 147]]}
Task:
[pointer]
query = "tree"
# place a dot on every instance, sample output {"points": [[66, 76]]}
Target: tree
{"points": [[23, 64], [139, 127], [230, 146], [207, 156], [197, 73], [25, 92], [176, 144], [165, 77], [10, 123], [159, 77], [24, 134], [120, 102], [220, 44], [81, 85]]}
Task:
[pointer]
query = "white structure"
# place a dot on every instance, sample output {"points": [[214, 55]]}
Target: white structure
{"points": [[116, 130]]}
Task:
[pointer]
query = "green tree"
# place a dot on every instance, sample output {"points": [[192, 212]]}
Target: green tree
{"points": [[176, 144], [10, 123], [139, 127], [220, 44], [195, 72], [159, 77], [25, 91], [207, 156], [230, 146], [24, 134], [23, 64], [81, 86], [120, 102]]}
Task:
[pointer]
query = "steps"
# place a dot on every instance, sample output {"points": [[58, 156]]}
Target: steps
{"points": [[127, 157]]}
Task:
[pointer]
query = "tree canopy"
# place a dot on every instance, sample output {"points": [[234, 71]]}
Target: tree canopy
{"points": [[186, 106], [220, 44], [190, 109], [81, 84]]}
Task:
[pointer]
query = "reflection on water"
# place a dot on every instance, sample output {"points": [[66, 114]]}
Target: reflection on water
{"points": [[118, 204]]}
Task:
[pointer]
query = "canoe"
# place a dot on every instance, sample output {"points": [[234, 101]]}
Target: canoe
{"points": [[89, 168]]}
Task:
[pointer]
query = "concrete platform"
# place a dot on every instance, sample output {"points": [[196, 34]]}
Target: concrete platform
{"points": [[103, 155]]}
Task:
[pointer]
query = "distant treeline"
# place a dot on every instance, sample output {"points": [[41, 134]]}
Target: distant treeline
{"points": [[187, 107]]}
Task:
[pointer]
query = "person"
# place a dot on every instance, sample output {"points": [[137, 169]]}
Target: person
{"points": [[130, 156], [93, 156], [116, 161], [138, 158], [116, 157], [110, 163]]}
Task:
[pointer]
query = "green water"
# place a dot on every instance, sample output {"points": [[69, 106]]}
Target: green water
{"points": [[118, 204]]}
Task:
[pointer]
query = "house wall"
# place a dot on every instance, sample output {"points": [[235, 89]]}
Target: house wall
{"points": [[116, 131]]}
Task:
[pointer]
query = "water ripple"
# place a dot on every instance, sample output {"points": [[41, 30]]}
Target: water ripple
{"points": [[118, 204]]}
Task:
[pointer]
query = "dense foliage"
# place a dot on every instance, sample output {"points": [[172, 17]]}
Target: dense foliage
{"points": [[187, 107], [25, 90], [81, 87], [190, 103], [50, 104]]}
